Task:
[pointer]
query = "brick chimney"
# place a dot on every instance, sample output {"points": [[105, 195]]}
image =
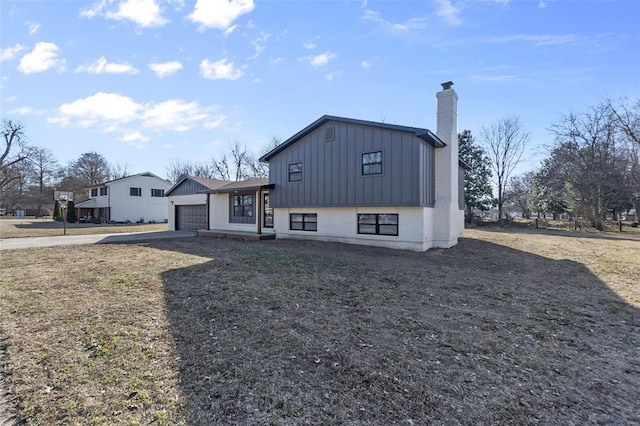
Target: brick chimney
{"points": [[448, 219]]}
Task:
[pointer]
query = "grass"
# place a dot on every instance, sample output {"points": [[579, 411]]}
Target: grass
{"points": [[510, 326], [13, 227]]}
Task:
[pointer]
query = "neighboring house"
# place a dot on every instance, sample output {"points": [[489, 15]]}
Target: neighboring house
{"points": [[133, 198], [353, 181], [371, 183], [32, 210]]}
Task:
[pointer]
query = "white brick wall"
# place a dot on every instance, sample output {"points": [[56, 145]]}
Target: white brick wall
{"points": [[340, 224], [447, 222]]}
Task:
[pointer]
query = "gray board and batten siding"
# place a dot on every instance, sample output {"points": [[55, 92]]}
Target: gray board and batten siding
{"points": [[332, 170], [188, 187]]}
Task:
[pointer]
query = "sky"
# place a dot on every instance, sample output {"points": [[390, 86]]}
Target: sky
{"points": [[147, 83]]}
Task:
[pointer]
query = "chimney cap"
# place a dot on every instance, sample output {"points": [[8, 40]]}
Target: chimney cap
{"points": [[447, 85]]}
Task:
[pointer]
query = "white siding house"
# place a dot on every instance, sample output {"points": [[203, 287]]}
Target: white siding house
{"points": [[136, 198]]}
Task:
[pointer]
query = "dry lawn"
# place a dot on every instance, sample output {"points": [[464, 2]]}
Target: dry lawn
{"points": [[13, 227], [509, 327]]}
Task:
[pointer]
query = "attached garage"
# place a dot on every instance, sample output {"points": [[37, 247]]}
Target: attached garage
{"points": [[187, 201], [191, 217]]}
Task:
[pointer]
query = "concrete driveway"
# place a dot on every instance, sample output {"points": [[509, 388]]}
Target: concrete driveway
{"points": [[64, 240]]}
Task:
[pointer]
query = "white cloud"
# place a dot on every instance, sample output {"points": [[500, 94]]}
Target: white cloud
{"points": [[309, 45], [538, 40], [145, 13], [321, 60], [43, 57], [174, 114], [166, 68], [105, 108], [260, 44], [407, 27], [366, 64], [10, 52], [134, 137], [101, 66], [219, 14], [219, 70], [229, 30], [275, 61], [33, 27], [448, 12], [112, 112], [25, 110]]}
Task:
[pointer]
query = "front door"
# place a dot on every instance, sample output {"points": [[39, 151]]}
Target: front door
{"points": [[267, 212]]}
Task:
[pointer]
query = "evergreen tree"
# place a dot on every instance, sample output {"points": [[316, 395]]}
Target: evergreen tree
{"points": [[57, 212], [71, 212], [477, 187]]}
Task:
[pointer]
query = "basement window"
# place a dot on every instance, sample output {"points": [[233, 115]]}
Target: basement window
{"points": [[303, 222], [378, 224]]}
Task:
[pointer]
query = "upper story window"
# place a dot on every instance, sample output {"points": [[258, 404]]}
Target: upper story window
{"points": [[103, 190], [94, 192], [372, 163], [243, 205], [135, 192], [157, 192], [295, 172]]}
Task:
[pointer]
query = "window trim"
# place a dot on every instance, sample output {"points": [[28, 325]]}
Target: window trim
{"points": [[363, 164], [289, 172], [245, 212], [304, 222], [94, 192], [135, 191], [378, 225], [104, 191], [156, 189]]}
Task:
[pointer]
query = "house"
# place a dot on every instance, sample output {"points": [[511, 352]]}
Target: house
{"points": [[135, 198], [353, 181], [370, 183]]}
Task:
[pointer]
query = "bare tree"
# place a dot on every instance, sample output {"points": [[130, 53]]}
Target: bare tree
{"points": [[15, 152], [504, 142], [43, 170], [257, 168], [176, 170], [89, 169], [118, 171], [587, 144]]}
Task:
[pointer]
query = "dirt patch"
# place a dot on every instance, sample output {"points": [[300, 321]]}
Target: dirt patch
{"points": [[507, 327]]}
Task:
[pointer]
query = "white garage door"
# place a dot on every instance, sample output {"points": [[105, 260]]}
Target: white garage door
{"points": [[191, 218]]}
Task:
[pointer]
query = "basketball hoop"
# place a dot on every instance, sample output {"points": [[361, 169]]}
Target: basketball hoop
{"points": [[63, 198]]}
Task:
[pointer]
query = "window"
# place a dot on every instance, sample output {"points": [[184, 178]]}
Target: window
{"points": [[157, 192], [295, 172], [303, 222], [243, 205], [378, 224], [94, 192], [268, 213], [135, 192], [372, 163], [103, 190]]}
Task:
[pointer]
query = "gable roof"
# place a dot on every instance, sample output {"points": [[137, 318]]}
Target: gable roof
{"points": [[208, 183], [110, 182], [424, 134]]}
